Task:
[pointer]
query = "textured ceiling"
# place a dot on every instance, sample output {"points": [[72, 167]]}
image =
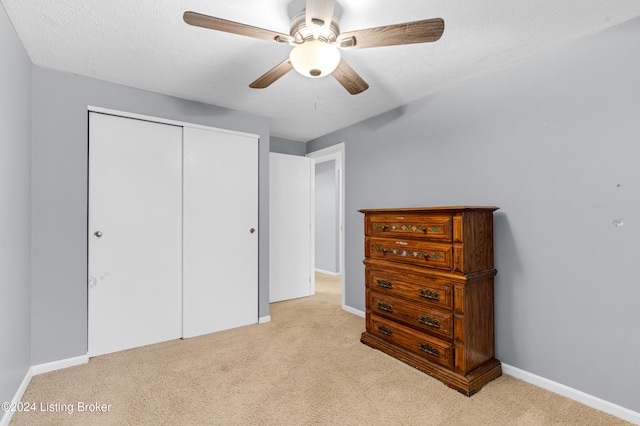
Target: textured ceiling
{"points": [[146, 44]]}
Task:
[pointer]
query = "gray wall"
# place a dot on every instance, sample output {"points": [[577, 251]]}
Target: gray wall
{"points": [[326, 217], [288, 146], [554, 141], [59, 185], [15, 209]]}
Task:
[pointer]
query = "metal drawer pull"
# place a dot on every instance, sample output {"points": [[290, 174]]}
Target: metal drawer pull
{"points": [[384, 330], [385, 306], [431, 322], [428, 349], [428, 294], [383, 283]]}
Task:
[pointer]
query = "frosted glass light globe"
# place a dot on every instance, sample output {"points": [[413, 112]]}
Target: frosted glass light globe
{"points": [[315, 58]]}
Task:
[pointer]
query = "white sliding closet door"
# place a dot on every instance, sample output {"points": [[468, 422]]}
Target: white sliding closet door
{"points": [[220, 242], [135, 233]]}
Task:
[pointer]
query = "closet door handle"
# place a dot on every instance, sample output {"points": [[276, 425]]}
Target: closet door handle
{"points": [[252, 230]]}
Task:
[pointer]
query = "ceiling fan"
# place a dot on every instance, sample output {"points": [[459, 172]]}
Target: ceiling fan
{"points": [[316, 38]]}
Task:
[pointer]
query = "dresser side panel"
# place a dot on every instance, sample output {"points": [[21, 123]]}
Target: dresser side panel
{"points": [[479, 320], [477, 238]]}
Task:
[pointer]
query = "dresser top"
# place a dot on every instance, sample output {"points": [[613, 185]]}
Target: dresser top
{"points": [[422, 209]]}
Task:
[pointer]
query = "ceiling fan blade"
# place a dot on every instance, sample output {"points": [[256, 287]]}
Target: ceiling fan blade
{"points": [[349, 79], [321, 11], [218, 24], [272, 75], [424, 31]]}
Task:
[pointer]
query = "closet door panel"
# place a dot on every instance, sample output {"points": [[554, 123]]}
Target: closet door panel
{"points": [[220, 231], [135, 221]]}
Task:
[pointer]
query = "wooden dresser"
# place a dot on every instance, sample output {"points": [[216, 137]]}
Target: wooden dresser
{"points": [[429, 291]]}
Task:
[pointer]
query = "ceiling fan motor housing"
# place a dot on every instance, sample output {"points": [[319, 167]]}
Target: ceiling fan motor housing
{"points": [[301, 32]]}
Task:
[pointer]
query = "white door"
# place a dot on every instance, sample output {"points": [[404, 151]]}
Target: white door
{"points": [[220, 231], [135, 221], [290, 227]]}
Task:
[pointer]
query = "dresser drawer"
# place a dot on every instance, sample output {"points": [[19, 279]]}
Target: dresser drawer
{"points": [[434, 292], [430, 227], [414, 314], [427, 346], [414, 252]]}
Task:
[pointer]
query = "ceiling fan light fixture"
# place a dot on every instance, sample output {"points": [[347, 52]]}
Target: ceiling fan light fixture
{"points": [[315, 58]]}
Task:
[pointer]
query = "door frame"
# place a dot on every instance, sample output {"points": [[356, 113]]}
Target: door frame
{"points": [[335, 152]]}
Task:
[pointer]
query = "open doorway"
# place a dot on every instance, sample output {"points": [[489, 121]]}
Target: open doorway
{"points": [[327, 218], [328, 213]]}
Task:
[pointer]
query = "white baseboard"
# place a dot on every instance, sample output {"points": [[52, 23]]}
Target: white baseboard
{"points": [[59, 365], [333, 274], [263, 320], [576, 395], [6, 418], [40, 369], [353, 311]]}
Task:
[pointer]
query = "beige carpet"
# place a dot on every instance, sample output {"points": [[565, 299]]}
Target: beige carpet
{"points": [[305, 367]]}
